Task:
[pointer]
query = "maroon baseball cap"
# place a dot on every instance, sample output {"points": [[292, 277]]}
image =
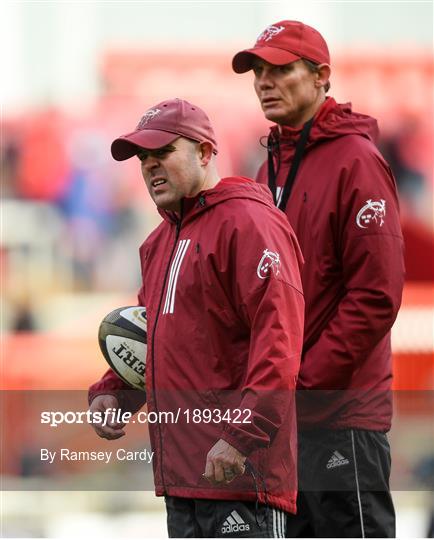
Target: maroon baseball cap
{"points": [[282, 43], [161, 125]]}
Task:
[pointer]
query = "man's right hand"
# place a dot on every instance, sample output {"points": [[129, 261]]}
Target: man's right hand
{"points": [[112, 430]]}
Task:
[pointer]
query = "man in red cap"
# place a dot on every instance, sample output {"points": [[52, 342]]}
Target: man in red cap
{"points": [[222, 290], [338, 193]]}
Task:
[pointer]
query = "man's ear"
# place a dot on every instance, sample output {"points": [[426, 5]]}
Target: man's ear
{"points": [[205, 152], [324, 72]]}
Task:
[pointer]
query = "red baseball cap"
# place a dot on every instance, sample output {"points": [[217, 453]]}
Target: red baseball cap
{"points": [[161, 125], [282, 43]]}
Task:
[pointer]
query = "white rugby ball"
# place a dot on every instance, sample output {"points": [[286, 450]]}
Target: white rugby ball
{"points": [[123, 341]]}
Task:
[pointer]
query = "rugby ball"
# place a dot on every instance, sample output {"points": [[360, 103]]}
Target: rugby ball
{"points": [[123, 342]]}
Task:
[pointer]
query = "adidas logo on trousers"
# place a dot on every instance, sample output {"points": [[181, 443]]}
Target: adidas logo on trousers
{"points": [[234, 523], [336, 460]]}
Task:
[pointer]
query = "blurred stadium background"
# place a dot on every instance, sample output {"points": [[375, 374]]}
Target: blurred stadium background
{"points": [[77, 74]]}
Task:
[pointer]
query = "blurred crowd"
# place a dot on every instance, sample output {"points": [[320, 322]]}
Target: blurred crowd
{"points": [[70, 223]]}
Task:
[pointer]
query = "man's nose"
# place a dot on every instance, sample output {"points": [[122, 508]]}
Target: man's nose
{"points": [[264, 80], [150, 163]]}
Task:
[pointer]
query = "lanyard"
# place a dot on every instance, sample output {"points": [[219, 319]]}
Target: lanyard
{"points": [[299, 150]]}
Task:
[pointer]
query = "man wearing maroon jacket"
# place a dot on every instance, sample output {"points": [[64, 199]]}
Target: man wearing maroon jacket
{"points": [[339, 195], [222, 290]]}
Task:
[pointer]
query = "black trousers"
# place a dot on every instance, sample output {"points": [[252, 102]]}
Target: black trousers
{"points": [[343, 486], [206, 518]]}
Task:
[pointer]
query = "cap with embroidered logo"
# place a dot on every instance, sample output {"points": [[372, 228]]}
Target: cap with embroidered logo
{"points": [[282, 43], [161, 125]]}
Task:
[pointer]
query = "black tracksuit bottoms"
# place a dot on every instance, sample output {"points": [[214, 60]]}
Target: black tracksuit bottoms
{"points": [[344, 491], [206, 518]]}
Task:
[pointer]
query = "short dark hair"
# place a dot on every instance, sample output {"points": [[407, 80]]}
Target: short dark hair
{"points": [[313, 67]]}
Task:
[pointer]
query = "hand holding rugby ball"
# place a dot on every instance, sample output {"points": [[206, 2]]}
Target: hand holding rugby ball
{"points": [[123, 341]]}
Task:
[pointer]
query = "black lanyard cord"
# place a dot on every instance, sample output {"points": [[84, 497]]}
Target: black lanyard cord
{"points": [[271, 145], [299, 151]]}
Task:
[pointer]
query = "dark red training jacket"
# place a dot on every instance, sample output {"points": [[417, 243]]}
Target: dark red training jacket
{"points": [[344, 211], [225, 325]]}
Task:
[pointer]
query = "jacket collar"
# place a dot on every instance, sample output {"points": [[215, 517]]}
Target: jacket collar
{"points": [[331, 121], [236, 187]]}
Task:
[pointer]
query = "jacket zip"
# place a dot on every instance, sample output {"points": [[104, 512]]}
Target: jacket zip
{"points": [[178, 230]]}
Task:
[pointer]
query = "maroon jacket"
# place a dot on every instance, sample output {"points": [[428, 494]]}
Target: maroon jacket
{"points": [[225, 325], [344, 210]]}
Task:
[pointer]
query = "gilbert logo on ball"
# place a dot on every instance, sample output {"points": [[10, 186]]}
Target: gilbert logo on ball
{"points": [[123, 342]]}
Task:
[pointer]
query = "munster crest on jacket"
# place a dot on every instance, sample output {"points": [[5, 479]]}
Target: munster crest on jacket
{"points": [[373, 212], [270, 261]]}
